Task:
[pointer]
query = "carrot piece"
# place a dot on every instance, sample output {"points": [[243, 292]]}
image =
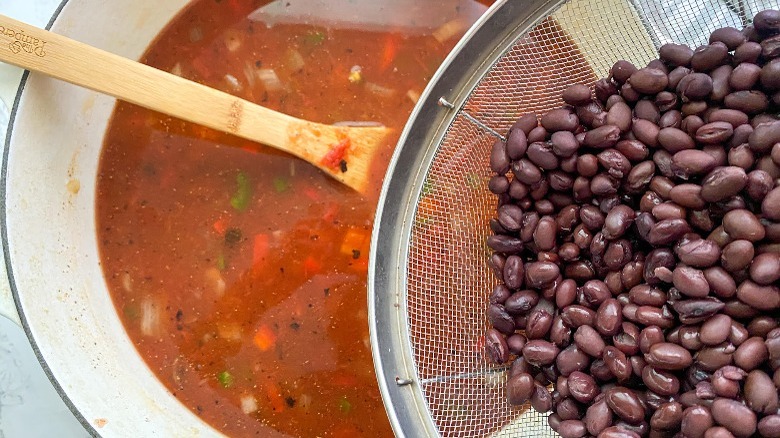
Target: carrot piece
{"points": [[260, 248], [265, 338], [355, 243], [220, 225], [389, 51], [275, 397], [311, 266]]}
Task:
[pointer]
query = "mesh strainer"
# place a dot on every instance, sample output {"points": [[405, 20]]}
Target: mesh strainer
{"points": [[429, 280]]}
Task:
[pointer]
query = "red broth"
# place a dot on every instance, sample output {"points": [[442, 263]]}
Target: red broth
{"points": [[240, 272]]}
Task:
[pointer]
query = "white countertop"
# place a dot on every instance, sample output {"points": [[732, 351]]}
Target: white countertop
{"points": [[29, 405]]}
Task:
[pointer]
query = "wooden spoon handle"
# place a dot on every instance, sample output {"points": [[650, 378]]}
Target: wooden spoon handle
{"points": [[63, 58]]}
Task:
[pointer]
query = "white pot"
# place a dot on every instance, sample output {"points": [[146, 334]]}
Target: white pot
{"points": [[59, 295]]}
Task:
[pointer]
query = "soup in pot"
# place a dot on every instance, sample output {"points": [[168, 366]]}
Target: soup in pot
{"points": [[238, 271]]}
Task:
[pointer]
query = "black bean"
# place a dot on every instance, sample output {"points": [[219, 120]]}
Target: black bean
{"points": [[526, 171], [737, 255], [616, 164], [743, 224], [690, 281], [564, 144], [496, 346], [741, 156], [695, 87], [621, 71], [692, 162], [734, 416], [695, 421], [582, 387], [625, 404], [541, 154], [505, 244], [675, 140], [668, 231], [537, 134], [646, 131], [706, 58], [720, 83], [589, 341], [500, 319], [560, 120], [714, 133], [758, 296], [770, 47], [517, 143], [749, 102], [729, 36], [764, 136], [619, 115], [602, 137], [538, 352], [519, 389], [499, 160], [572, 429], [760, 393], [618, 220], [722, 183], [675, 54], [715, 330], [648, 80], [634, 150], [577, 94], [770, 75], [748, 51], [668, 356]]}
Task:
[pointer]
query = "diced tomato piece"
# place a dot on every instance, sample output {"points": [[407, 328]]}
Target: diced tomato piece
{"points": [[261, 248], [336, 154], [275, 397], [311, 266], [221, 224], [265, 338], [312, 193]]}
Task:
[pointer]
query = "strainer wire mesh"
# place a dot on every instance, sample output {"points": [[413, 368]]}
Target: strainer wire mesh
{"points": [[448, 280]]}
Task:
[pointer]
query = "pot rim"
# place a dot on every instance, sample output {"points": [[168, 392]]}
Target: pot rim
{"points": [[88, 427]]}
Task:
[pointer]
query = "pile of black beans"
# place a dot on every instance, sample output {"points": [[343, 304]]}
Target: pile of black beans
{"points": [[637, 243]]}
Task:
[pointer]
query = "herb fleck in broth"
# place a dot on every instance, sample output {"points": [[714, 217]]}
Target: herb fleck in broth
{"points": [[238, 271]]}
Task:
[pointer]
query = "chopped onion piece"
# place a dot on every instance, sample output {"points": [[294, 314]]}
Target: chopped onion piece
{"points": [[127, 282], [176, 69], [232, 40], [249, 73], [230, 331], [450, 29], [248, 404], [150, 317], [269, 79], [196, 34], [413, 95], [233, 83], [214, 281], [295, 60], [380, 90]]}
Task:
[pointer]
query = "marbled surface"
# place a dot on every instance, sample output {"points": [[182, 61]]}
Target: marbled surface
{"points": [[29, 405]]}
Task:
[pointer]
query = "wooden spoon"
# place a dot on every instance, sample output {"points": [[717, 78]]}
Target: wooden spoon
{"points": [[343, 152]]}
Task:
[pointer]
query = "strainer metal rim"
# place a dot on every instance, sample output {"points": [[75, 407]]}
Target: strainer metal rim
{"points": [[459, 74]]}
